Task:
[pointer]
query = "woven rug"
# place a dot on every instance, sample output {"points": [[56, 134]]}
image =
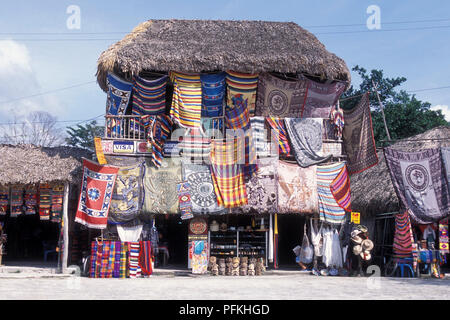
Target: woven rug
{"points": [[4, 200], [305, 136], [30, 198], [124, 251], [297, 189], [133, 264], [97, 186], [403, 236], [419, 180], [329, 210], [159, 129], [127, 197], [16, 201], [242, 87], [117, 254], [279, 135], [57, 203], [149, 96], [280, 98], [213, 94], [340, 188], [145, 257], [187, 99], [118, 96], [357, 137], [45, 201], [160, 187]]}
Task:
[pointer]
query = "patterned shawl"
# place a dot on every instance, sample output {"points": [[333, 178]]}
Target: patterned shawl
{"points": [[340, 188], [159, 130], [297, 189], [213, 94], [242, 86], [227, 174], [203, 196], [119, 93], [357, 136], [45, 201], [160, 187], [57, 202], [145, 257], [149, 96], [31, 195], [4, 200], [187, 99], [16, 201], [279, 133], [329, 209], [126, 201], [321, 97], [306, 140], [280, 98], [420, 183], [403, 236], [445, 151]]}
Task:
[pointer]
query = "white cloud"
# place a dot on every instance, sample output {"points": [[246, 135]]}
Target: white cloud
{"points": [[444, 109]]}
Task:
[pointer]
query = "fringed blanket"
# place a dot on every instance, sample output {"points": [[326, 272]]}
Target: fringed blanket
{"points": [[213, 94], [4, 200], [340, 188], [31, 195], [305, 136], [357, 137], [403, 236], [329, 210], [57, 202], [127, 197], [160, 187], [97, 186], [227, 174], [321, 97], [203, 196], [280, 98], [149, 96], [242, 87], [119, 93], [279, 135], [45, 201], [297, 189], [420, 183], [187, 99]]}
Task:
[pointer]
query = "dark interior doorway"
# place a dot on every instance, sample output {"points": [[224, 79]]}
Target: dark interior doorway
{"points": [[290, 234], [173, 233]]}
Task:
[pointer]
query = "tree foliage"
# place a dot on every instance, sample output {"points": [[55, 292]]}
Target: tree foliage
{"points": [[82, 136]]}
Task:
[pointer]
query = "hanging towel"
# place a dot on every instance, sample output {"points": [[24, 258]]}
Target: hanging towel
{"points": [[187, 99], [329, 209]]}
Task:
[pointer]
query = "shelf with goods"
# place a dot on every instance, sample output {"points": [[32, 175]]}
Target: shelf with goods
{"points": [[253, 244], [223, 243]]}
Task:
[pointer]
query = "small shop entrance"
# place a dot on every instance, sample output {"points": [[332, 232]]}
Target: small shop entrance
{"points": [[173, 234], [290, 234]]}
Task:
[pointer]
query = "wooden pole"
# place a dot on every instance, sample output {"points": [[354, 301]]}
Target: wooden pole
{"points": [[65, 222], [382, 111]]}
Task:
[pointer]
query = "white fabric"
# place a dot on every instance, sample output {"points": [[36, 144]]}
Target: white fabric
{"points": [[129, 233], [270, 257], [316, 238], [332, 253]]}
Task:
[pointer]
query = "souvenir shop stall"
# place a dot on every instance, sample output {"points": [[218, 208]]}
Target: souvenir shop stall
{"points": [[225, 141], [36, 192]]}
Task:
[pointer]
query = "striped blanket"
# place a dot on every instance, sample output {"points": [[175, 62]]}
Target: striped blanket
{"points": [[279, 135], [124, 252], [187, 99], [195, 145], [227, 174], [340, 188], [329, 210], [4, 200], [260, 137], [403, 236], [133, 263], [57, 202], [242, 86], [145, 257], [159, 129], [149, 96], [213, 94], [16, 201], [30, 198], [45, 201]]}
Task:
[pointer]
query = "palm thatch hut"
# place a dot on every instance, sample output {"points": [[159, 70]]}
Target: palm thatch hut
{"points": [[211, 45], [28, 164]]}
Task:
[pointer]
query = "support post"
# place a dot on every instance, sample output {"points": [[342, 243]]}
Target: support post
{"points": [[65, 226]]}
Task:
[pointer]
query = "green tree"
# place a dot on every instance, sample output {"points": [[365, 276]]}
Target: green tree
{"points": [[82, 136], [405, 115]]}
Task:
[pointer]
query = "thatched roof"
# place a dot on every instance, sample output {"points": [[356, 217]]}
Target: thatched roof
{"points": [[210, 45], [372, 190], [25, 164]]}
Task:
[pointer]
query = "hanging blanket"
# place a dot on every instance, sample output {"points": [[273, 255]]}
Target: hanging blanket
{"points": [[117, 254], [420, 183], [279, 135], [149, 96], [16, 201], [403, 236], [242, 87], [118, 96], [160, 187], [31, 195], [4, 200], [57, 202], [94, 262], [124, 251], [443, 237], [97, 186], [445, 152], [187, 99], [262, 188], [159, 129], [111, 259], [340, 188], [357, 136], [306, 140], [184, 199], [280, 98], [259, 136], [171, 149], [135, 269], [337, 119], [227, 174], [195, 145], [320, 98], [329, 210], [213, 94], [145, 257], [297, 189], [126, 201], [203, 196], [106, 247], [45, 201]]}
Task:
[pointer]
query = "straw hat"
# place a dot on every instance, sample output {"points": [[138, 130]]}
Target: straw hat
{"points": [[365, 255], [223, 227], [367, 244], [355, 235], [357, 249]]}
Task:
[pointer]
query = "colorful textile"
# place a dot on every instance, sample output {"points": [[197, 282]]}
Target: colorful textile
{"points": [[305, 136], [127, 197], [329, 210], [237, 114], [195, 145], [57, 203], [203, 195], [279, 133], [171, 149], [199, 262], [227, 174], [95, 196], [403, 236], [320, 98], [184, 199], [213, 94], [337, 118], [297, 189], [106, 247], [262, 188], [160, 187], [118, 96], [111, 259], [93, 261], [340, 188], [187, 99], [280, 98], [117, 255], [133, 264], [129, 233], [45, 201], [241, 88], [443, 238], [445, 153], [420, 183], [149, 96], [124, 250], [4, 200], [145, 257], [16, 201], [260, 137], [31, 198], [357, 137]]}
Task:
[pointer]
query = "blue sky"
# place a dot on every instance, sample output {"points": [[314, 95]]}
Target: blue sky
{"points": [[31, 64]]}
